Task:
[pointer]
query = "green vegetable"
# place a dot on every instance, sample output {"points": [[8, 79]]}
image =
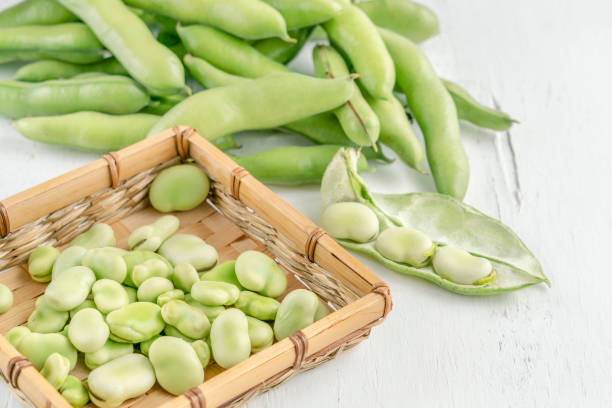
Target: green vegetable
{"points": [[75, 392], [283, 51], [51, 69], [307, 13], [405, 245], [37, 347], [255, 305], [6, 298], [108, 352], [45, 319], [150, 237], [179, 188], [177, 366], [135, 322], [35, 12], [109, 295], [72, 256], [151, 288], [100, 235], [190, 249], [41, 261], [300, 308], [88, 331], [229, 338], [56, 369], [185, 276], [70, 288], [189, 320], [211, 293], [258, 272], [261, 334], [339, 221]]}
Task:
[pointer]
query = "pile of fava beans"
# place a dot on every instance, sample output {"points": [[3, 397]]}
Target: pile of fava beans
{"points": [[103, 74], [159, 312]]}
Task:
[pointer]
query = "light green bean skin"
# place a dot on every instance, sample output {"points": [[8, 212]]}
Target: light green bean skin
{"points": [[134, 258], [131, 42], [225, 272], [260, 104], [469, 109], [434, 111], [70, 288], [126, 377], [283, 51], [358, 120], [189, 320], [16, 335], [150, 237], [151, 288], [350, 220], [185, 276], [35, 12], [108, 94], [300, 308], [87, 303], [87, 131], [56, 369], [41, 261], [45, 319], [6, 298], [355, 36], [100, 235], [135, 322], [257, 306], [229, 338], [214, 293], [71, 42], [108, 352], [261, 334], [177, 366], [258, 272], [396, 132], [249, 19], [71, 256], [149, 269], [179, 188], [212, 312], [174, 332], [88, 331], [202, 350], [106, 263], [174, 294], [109, 295], [210, 76], [146, 345], [213, 45], [191, 249], [37, 347], [291, 165], [412, 20], [75, 392], [51, 69], [161, 105], [306, 13]]}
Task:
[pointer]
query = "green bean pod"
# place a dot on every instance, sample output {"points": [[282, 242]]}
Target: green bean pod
{"points": [[36, 12], [412, 20], [108, 94], [283, 51], [358, 120], [71, 42], [306, 13], [434, 111], [291, 165], [250, 19], [131, 42], [470, 110], [259, 104], [396, 132], [161, 105], [227, 53], [51, 69], [356, 37], [89, 131]]}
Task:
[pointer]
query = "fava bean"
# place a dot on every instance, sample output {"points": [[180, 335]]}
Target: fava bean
{"points": [[88, 131], [131, 42], [405, 245], [109, 352], [355, 35], [75, 392], [6, 298], [151, 288], [225, 272], [35, 12], [261, 334], [150, 237], [250, 19], [212, 312], [40, 263], [259, 104], [56, 369], [212, 293], [300, 308], [16, 334], [260, 307], [123, 378], [307, 13], [134, 258], [175, 294], [177, 366], [100, 235], [51, 69], [45, 319], [109, 295], [283, 51], [132, 293], [358, 120], [150, 268], [437, 118], [135, 322], [87, 304], [179, 188], [229, 338], [350, 220], [88, 331], [106, 263], [70, 288], [145, 345], [70, 42], [412, 20], [202, 350], [291, 165], [72, 256], [258, 272], [189, 320], [37, 347], [459, 266], [181, 248], [185, 276], [174, 332]]}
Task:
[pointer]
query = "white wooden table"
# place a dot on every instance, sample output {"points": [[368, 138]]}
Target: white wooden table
{"points": [[548, 63]]}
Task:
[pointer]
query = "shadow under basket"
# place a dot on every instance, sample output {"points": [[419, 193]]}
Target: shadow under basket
{"points": [[240, 214]]}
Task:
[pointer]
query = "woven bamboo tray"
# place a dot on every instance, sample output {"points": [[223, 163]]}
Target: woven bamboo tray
{"points": [[240, 214]]}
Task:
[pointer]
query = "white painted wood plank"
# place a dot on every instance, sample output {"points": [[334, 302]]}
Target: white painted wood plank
{"points": [[548, 64]]}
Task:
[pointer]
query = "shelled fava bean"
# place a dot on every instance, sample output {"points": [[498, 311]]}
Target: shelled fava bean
{"points": [[141, 317], [356, 222]]}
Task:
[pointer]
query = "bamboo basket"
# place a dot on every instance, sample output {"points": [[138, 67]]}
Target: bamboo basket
{"points": [[240, 214]]}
